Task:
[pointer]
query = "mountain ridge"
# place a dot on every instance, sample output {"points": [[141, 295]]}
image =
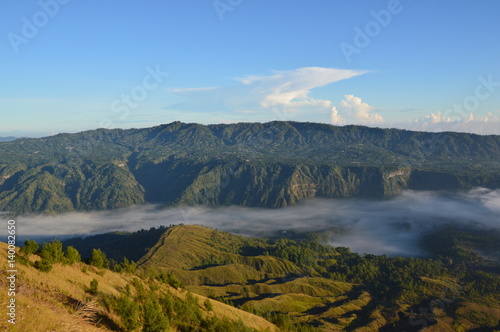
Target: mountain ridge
{"points": [[250, 164]]}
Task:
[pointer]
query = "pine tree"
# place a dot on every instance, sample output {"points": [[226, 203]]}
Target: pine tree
{"points": [[30, 247], [52, 252], [129, 312], [72, 255], [98, 259], [153, 318], [94, 285]]}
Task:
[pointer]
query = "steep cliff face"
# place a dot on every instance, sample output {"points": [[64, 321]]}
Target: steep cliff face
{"points": [[251, 164], [278, 185]]}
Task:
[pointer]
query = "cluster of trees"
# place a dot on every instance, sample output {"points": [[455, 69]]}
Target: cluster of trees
{"points": [[393, 278], [50, 253], [53, 252], [144, 306]]}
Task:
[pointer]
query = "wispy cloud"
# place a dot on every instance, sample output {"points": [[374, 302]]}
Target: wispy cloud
{"points": [[273, 97], [189, 90]]}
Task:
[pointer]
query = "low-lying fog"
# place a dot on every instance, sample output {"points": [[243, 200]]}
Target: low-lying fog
{"points": [[389, 227]]}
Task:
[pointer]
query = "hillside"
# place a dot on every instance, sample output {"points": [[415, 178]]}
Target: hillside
{"points": [[299, 285], [251, 164], [60, 300], [332, 288]]}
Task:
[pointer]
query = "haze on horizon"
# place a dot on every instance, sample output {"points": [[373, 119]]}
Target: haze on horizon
{"points": [[418, 65]]}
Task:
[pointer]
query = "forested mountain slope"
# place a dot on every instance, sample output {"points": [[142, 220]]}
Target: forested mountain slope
{"points": [[272, 164]]}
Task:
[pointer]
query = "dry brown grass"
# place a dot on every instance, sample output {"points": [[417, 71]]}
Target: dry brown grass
{"points": [[58, 301]]}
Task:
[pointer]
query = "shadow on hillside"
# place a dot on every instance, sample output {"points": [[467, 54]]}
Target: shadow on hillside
{"points": [[353, 294], [239, 302]]}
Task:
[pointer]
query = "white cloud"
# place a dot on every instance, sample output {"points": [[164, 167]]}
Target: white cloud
{"points": [[286, 95], [279, 96], [352, 110], [488, 124]]}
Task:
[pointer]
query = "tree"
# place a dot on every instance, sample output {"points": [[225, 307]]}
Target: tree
{"points": [[98, 259], [171, 279], [43, 265], [126, 266], [30, 247], [208, 305], [153, 318], [72, 255], [52, 252], [94, 284], [128, 311]]}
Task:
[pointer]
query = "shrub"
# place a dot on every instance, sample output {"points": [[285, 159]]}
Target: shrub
{"points": [[52, 252], [43, 265], [153, 318], [129, 312], [30, 247], [72, 255], [208, 305], [94, 285], [126, 266], [98, 259], [171, 279]]}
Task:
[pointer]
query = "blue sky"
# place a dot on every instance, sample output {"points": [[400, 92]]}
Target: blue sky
{"points": [[69, 65]]}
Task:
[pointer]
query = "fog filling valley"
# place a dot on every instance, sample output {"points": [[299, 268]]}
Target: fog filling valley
{"points": [[392, 227]]}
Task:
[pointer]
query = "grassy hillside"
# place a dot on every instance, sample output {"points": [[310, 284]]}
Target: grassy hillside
{"points": [[60, 300], [251, 164], [294, 283], [298, 285]]}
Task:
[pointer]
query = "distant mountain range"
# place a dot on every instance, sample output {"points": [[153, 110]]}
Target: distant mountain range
{"points": [[251, 164], [7, 139]]}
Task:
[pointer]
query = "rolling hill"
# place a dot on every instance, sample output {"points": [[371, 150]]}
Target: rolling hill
{"points": [[250, 164], [302, 284]]}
